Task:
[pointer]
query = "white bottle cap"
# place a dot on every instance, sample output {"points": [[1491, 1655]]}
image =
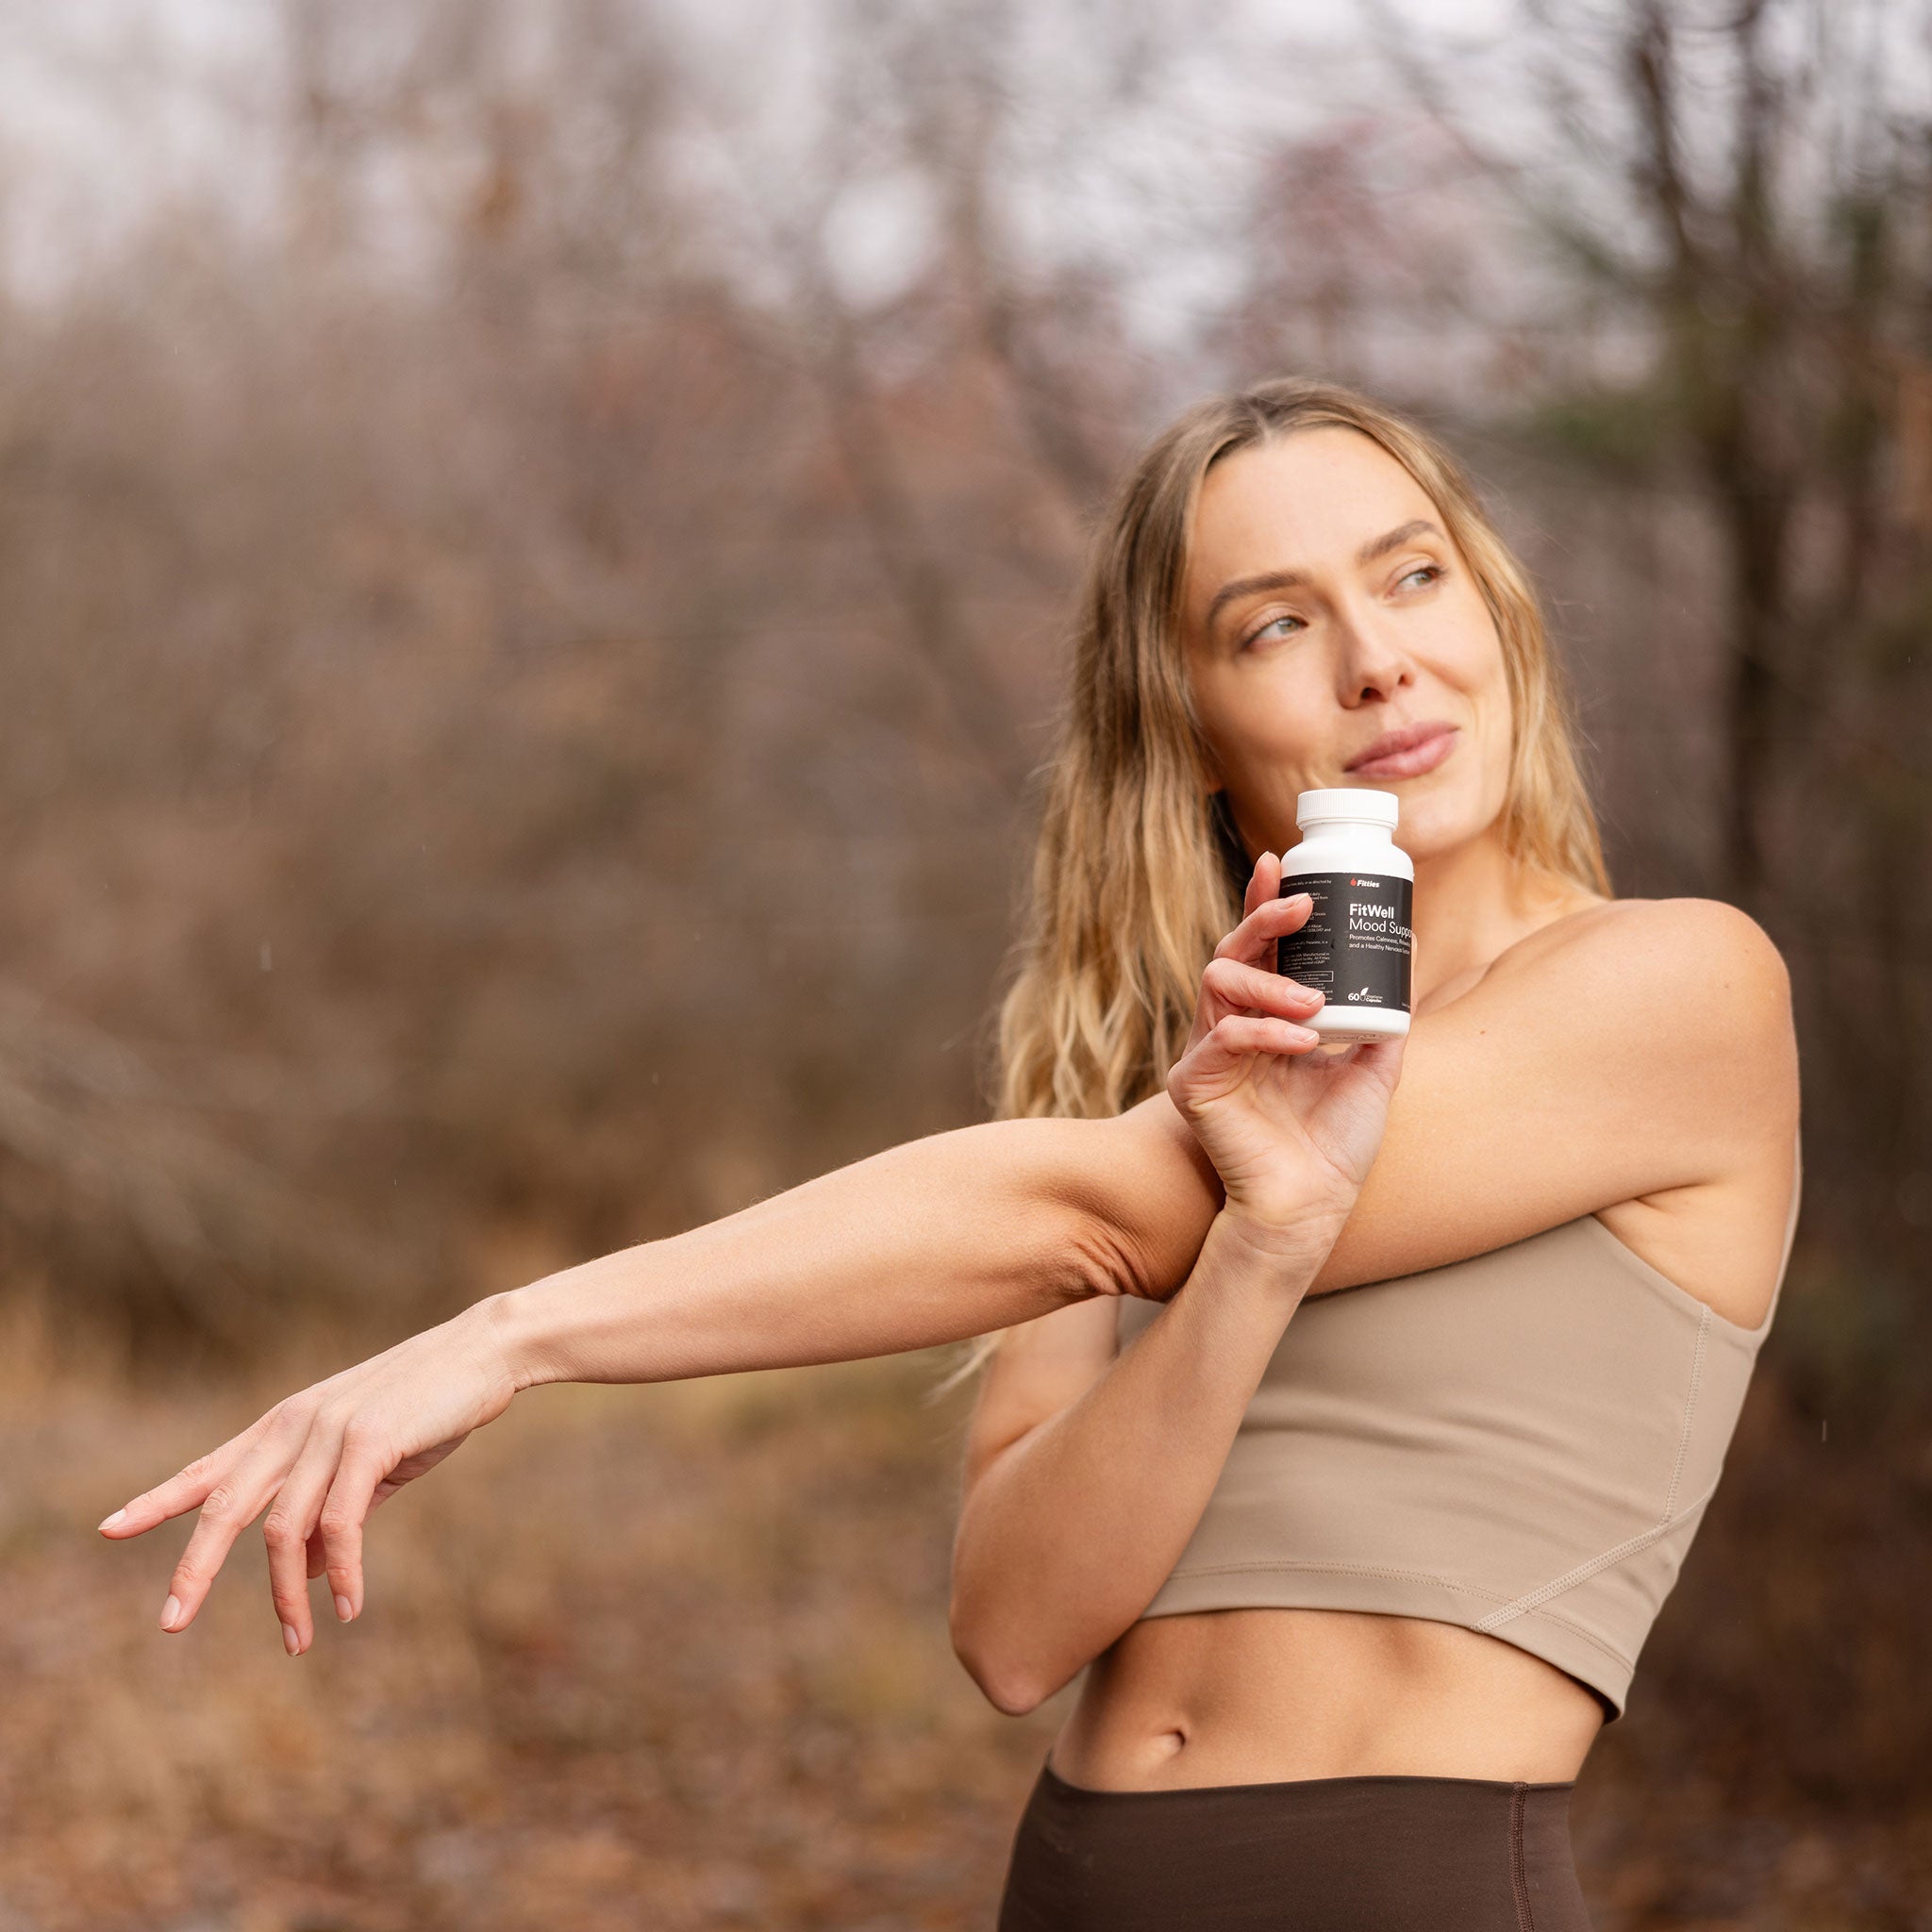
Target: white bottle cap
{"points": [[1347, 802]]}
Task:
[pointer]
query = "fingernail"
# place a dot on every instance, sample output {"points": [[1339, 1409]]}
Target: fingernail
{"points": [[289, 1640], [345, 1609], [171, 1612], [108, 1522]]}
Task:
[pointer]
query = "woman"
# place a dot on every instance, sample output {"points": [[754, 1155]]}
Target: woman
{"points": [[1290, 580]]}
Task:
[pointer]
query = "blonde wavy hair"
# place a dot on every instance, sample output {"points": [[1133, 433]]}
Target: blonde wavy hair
{"points": [[1138, 874]]}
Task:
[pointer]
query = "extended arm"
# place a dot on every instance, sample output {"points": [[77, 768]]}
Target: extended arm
{"points": [[935, 1241]]}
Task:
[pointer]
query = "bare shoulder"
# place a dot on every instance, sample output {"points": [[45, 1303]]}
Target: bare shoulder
{"points": [[1702, 942], [1702, 979]]}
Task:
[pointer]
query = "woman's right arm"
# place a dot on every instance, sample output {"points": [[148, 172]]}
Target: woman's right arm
{"points": [[934, 1241], [944, 1238], [940, 1238]]}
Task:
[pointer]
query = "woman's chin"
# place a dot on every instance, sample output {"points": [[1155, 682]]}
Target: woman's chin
{"points": [[1435, 819]]}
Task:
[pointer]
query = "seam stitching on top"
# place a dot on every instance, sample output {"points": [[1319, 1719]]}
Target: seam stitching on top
{"points": [[1629, 1547], [1519, 1878], [1583, 1571], [1689, 1414]]}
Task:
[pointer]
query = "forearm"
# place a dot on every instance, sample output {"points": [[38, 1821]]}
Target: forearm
{"points": [[935, 1241], [1066, 1537]]}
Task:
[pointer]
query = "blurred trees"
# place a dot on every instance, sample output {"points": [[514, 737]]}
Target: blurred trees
{"points": [[533, 578], [534, 589], [1738, 199]]}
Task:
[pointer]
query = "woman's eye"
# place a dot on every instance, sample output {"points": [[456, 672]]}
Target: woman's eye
{"points": [[1274, 623], [1428, 570]]}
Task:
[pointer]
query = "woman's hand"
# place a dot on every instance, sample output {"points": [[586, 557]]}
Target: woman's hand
{"points": [[1292, 1131], [320, 1462]]}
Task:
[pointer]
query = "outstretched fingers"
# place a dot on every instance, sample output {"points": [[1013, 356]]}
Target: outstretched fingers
{"points": [[292, 1526], [227, 1508], [187, 1489], [351, 1497]]}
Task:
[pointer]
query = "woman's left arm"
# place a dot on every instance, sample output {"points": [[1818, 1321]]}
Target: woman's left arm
{"points": [[1087, 1471]]}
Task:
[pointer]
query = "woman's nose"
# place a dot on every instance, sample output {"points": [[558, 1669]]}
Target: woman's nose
{"points": [[1369, 661]]}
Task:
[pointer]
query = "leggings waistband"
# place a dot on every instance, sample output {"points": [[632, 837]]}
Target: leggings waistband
{"points": [[1372, 1854], [1053, 1780]]}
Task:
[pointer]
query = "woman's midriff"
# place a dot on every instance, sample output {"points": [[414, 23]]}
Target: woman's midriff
{"points": [[1263, 1696]]}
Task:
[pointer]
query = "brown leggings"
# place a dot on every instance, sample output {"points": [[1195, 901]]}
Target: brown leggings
{"points": [[1317, 1855]]}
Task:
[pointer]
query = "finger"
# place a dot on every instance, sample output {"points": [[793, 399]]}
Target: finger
{"points": [[228, 1509], [1216, 1062], [1254, 938], [1239, 1034], [187, 1489], [1264, 883], [292, 1519], [1235, 988], [358, 1488]]}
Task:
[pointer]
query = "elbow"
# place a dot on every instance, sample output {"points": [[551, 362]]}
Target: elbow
{"points": [[1096, 1257], [1131, 1226], [1008, 1689]]}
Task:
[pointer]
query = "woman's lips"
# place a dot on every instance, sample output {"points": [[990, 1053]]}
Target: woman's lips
{"points": [[1411, 763]]}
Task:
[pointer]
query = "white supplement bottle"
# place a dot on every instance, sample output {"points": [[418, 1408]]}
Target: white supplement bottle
{"points": [[1356, 943]]}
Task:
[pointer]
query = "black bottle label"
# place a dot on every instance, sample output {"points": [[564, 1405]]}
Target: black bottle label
{"points": [[1356, 944]]}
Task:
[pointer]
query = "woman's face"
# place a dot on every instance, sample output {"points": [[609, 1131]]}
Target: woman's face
{"points": [[1325, 608]]}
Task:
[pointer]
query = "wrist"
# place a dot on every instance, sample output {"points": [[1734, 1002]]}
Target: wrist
{"points": [[514, 1334], [1286, 1250]]}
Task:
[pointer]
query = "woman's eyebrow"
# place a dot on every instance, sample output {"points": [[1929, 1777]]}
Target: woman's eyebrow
{"points": [[1247, 586], [1395, 540], [1294, 579]]}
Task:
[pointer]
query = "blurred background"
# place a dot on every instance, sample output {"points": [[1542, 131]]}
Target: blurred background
{"points": [[534, 544]]}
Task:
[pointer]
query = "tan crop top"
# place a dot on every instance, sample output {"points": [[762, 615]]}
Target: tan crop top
{"points": [[1521, 1442]]}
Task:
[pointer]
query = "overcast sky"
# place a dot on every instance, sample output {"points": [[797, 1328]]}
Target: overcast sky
{"points": [[108, 104]]}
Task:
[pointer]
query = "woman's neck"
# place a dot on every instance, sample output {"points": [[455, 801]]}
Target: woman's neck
{"points": [[1472, 903]]}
